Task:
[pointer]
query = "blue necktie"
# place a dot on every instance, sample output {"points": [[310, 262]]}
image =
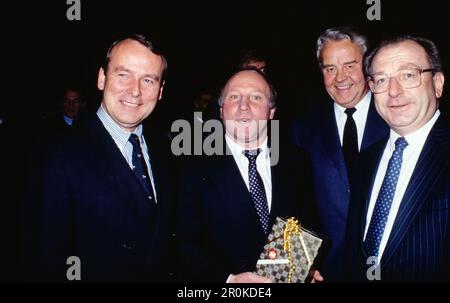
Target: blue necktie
{"points": [[257, 191], [384, 200], [140, 168]]}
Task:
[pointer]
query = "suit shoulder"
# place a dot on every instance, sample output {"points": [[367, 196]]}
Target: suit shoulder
{"points": [[313, 116]]}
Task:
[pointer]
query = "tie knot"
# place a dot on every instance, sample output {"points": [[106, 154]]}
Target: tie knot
{"points": [[350, 111], [134, 139], [401, 143], [252, 154]]}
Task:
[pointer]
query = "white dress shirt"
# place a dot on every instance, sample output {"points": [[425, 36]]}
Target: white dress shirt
{"points": [[411, 153], [360, 117], [121, 136], [262, 165]]}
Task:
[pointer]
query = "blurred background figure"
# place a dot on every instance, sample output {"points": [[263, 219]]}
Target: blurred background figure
{"points": [[200, 104], [72, 106], [254, 59], [67, 113]]}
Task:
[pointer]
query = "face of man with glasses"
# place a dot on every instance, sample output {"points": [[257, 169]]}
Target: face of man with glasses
{"points": [[405, 86]]}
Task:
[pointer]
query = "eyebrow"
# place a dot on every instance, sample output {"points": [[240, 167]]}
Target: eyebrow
{"points": [[345, 63], [124, 69], [327, 65], [403, 66], [253, 91]]}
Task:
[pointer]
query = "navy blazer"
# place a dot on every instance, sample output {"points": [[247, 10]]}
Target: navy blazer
{"points": [[318, 134], [84, 200], [218, 229], [418, 248]]}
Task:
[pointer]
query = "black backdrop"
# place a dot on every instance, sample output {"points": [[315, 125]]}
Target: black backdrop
{"points": [[42, 51], [201, 40]]}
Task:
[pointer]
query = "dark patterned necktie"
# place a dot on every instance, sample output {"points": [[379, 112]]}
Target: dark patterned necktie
{"points": [[350, 140], [384, 200], [257, 190], [140, 167]]}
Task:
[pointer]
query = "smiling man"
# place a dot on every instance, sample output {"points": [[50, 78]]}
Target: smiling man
{"points": [[398, 227], [335, 133], [99, 194]]}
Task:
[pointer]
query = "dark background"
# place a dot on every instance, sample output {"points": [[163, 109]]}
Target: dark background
{"points": [[42, 52], [202, 42]]}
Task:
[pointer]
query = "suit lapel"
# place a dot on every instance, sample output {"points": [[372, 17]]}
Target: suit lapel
{"points": [[277, 191], [432, 163], [332, 143], [115, 167], [233, 192], [375, 128], [230, 186], [372, 163]]}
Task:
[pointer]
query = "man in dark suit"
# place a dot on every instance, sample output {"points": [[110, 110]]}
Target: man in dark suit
{"points": [[98, 205], [398, 228], [333, 134], [229, 202]]}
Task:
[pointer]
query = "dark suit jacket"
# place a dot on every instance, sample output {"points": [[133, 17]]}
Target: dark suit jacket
{"points": [[418, 248], [218, 228], [84, 201], [318, 134]]}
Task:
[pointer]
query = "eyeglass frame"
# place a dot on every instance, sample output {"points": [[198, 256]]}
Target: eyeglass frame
{"points": [[389, 76]]}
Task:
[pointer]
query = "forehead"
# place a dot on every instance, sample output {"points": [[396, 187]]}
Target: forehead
{"points": [[247, 80], [340, 50], [129, 48], [400, 54]]}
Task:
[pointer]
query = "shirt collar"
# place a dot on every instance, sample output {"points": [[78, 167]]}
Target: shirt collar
{"points": [[418, 137], [119, 135], [361, 106], [68, 120], [238, 150]]}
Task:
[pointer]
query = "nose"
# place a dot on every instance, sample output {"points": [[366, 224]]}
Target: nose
{"points": [[395, 88], [243, 104], [135, 88], [341, 75]]}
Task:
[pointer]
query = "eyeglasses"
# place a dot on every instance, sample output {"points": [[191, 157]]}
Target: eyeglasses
{"points": [[408, 77]]}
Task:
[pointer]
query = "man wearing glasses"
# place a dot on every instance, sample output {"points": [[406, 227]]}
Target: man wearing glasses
{"points": [[398, 228]]}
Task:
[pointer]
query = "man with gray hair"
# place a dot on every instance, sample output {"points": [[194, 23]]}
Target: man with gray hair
{"points": [[335, 133]]}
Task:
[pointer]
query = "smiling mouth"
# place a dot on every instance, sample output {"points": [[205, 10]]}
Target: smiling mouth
{"points": [[343, 87], [129, 104]]}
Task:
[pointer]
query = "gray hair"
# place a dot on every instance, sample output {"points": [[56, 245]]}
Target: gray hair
{"points": [[338, 34]]}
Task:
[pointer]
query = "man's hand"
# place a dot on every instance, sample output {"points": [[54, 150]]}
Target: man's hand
{"points": [[248, 277], [316, 277]]}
